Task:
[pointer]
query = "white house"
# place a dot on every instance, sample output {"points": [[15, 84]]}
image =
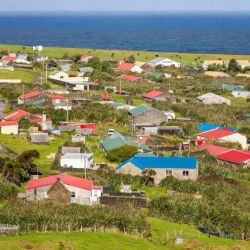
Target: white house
{"points": [[164, 62], [211, 98], [22, 61], [58, 75], [124, 67], [85, 58], [241, 92], [77, 161], [38, 48], [9, 127], [63, 188]]}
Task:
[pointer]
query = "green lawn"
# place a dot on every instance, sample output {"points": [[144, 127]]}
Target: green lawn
{"points": [[27, 76], [163, 234], [189, 59], [19, 143]]}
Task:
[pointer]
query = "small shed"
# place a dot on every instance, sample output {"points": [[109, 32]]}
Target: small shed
{"points": [[39, 138], [65, 150]]}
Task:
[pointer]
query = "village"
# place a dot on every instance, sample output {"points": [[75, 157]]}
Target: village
{"points": [[82, 129]]}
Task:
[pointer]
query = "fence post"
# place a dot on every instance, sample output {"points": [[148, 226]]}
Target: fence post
{"points": [[81, 229]]}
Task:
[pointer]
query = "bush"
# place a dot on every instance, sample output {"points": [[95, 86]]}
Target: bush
{"points": [[122, 153]]}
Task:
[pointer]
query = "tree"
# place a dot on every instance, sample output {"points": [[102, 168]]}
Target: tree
{"points": [[122, 153], [148, 175], [130, 59], [233, 66]]}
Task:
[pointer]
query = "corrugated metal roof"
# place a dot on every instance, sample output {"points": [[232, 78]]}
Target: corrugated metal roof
{"points": [[204, 127], [141, 109], [180, 163], [234, 156]]}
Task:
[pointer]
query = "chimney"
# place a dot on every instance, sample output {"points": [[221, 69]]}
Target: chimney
{"points": [[34, 177]]}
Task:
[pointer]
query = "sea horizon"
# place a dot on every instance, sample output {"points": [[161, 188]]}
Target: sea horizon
{"points": [[217, 32]]}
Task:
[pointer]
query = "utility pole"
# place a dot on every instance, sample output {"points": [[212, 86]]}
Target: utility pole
{"points": [[46, 73]]}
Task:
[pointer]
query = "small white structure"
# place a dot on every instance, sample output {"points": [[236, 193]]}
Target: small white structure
{"points": [[164, 62], [38, 48], [77, 161], [170, 115], [211, 98], [22, 61], [9, 127], [241, 93], [58, 75]]}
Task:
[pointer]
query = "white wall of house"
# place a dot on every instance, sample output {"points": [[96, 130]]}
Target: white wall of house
{"points": [[78, 161], [10, 129], [244, 94], [137, 69], [238, 138]]}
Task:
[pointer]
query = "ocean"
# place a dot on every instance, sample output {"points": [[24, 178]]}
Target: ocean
{"points": [[163, 32]]}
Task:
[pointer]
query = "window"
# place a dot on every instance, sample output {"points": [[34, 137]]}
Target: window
{"points": [[73, 194], [185, 173], [168, 172]]}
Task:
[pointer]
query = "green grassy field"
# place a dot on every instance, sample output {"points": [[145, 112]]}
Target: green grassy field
{"points": [[163, 235], [19, 143], [26, 76], [189, 59]]}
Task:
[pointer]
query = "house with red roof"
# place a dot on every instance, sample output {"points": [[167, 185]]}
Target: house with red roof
{"points": [[19, 114], [62, 188], [126, 67], [224, 135], [129, 78], [85, 58], [154, 95], [230, 156], [30, 98], [8, 59], [59, 102], [9, 127]]}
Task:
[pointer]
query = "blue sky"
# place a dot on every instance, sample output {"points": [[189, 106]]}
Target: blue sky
{"points": [[124, 5]]}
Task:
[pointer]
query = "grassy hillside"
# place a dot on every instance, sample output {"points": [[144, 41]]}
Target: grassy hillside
{"points": [[162, 238], [189, 59]]}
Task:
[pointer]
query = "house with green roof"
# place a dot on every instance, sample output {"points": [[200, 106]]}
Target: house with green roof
{"points": [[236, 90], [117, 140], [143, 115]]}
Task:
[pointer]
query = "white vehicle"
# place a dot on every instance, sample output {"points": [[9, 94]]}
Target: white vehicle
{"points": [[111, 131]]}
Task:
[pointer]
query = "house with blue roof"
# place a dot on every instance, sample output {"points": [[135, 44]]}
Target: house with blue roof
{"points": [[204, 127], [181, 168], [163, 62]]}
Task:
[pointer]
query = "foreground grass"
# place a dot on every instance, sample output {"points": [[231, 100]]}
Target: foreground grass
{"points": [[163, 234], [189, 59]]}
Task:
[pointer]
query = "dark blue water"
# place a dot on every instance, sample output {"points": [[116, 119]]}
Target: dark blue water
{"points": [[179, 32]]}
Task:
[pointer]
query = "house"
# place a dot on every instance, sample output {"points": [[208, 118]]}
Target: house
{"points": [[65, 150], [59, 102], [84, 70], [85, 58], [116, 140], [125, 67], [9, 127], [242, 63], [78, 138], [204, 127], [234, 157], [39, 138], [216, 74], [64, 189], [154, 95], [8, 59], [161, 130], [87, 128], [21, 60], [79, 161], [65, 67], [181, 168], [58, 75], [211, 98], [236, 90], [124, 106], [19, 114], [145, 115], [129, 78], [31, 98], [224, 135], [38, 48], [164, 62]]}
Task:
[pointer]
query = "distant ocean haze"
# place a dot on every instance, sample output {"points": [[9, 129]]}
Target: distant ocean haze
{"points": [[163, 32]]}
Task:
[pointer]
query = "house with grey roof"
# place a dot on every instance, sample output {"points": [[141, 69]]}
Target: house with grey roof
{"points": [[211, 98], [143, 115], [117, 140], [164, 62]]}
